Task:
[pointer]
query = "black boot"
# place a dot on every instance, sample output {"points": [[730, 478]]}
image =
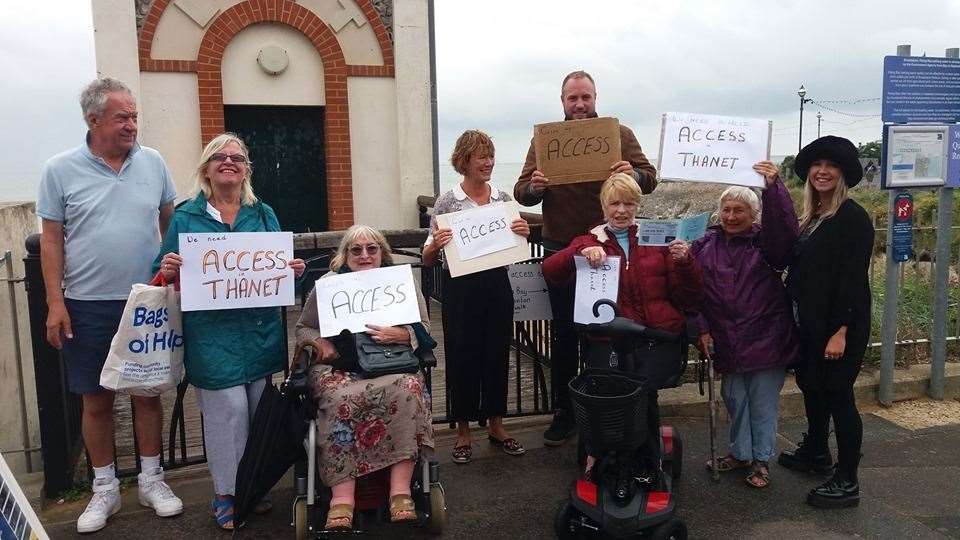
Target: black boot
{"points": [[808, 457], [561, 428], [838, 492]]}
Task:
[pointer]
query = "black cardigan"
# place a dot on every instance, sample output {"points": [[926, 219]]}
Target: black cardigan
{"points": [[828, 280]]}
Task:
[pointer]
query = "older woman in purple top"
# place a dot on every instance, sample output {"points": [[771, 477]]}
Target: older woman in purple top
{"points": [[746, 317]]}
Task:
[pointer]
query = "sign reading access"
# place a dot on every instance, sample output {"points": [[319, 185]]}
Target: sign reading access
{"points": [[577, 150]]}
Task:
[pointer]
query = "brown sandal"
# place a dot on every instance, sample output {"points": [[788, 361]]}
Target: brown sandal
{"points": [[402, 509], [462, 454], [727, 463], [760, 475], [339, 518]]}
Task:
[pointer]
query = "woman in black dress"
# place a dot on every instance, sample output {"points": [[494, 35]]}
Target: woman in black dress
{"points": [[831, 293]]}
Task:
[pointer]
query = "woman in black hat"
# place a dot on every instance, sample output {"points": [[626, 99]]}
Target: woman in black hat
{"points": [[831, 293]]}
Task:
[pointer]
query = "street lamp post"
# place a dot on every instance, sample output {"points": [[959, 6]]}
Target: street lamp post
{"points": [[802, 92], [818, 124]]}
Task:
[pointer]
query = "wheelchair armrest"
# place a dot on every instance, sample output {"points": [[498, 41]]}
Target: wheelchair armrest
{"points": [[428, 360]]}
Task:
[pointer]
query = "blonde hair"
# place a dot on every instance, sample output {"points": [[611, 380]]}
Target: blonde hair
{"points": [[811, 203], [620, 186], [202, 183], [744, 195], [472, 142], [350, 236]]}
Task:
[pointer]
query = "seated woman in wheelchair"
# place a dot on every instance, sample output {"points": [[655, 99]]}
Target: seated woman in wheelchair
{"points": [[366, 424], [657, 283]]}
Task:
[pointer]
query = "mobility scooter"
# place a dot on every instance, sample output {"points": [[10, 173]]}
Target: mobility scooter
{"points": [[629, 491]]}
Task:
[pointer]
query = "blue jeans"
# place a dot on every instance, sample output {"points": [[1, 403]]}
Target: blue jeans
{"points": [[753, 402]]}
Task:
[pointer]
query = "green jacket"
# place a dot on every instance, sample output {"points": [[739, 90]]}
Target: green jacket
{"points": [[226, 347]]}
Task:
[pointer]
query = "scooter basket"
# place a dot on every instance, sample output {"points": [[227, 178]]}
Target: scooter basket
{"points": [[611, 409]]}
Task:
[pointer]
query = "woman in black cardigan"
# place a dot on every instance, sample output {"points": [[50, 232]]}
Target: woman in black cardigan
{"points": [[831, 293]]}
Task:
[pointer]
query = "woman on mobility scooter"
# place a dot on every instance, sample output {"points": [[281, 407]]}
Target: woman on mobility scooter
{"points": [[657, 283], [366, 424]]}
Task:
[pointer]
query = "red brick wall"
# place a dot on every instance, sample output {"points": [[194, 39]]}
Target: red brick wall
{"points": [[207, 65]]}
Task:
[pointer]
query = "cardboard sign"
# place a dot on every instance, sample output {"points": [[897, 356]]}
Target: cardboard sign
{"points": [[660, 232], [236, 270], [577, 150], [17, 518], [595, 284], [478, 231], [381, 296], [709, 148], [531, 300]]}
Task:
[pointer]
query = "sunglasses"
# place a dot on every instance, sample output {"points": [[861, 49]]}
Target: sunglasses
{"points": [[236, 158], [371, 249]]}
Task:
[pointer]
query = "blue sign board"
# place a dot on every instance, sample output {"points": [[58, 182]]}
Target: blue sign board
{"points": [[921, 89], [953, 158], [902, 227]]}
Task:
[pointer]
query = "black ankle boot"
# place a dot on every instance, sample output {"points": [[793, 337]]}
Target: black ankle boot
{"points": [[807, 458], [838, 492]]}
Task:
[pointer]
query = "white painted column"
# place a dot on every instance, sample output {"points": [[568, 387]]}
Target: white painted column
{"points": [[415, 132], [115, 41]]}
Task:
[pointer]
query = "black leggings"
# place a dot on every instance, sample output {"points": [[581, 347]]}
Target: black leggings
{"points": [[840, 404]]}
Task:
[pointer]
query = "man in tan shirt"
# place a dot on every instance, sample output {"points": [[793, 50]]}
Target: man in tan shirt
{"points": [[570, 210]]}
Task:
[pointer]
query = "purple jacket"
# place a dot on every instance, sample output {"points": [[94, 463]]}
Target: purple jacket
{"points": [[746, 308]]}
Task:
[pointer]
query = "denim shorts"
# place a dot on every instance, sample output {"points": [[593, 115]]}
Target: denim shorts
{"points": [[94, 324]]}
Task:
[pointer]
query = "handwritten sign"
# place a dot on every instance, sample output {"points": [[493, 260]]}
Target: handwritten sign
{"points": [[710, 148], [480, 239], [531, 300], [382, 296], [660, 232], [236, 270], [595, 284], [577, 150]]}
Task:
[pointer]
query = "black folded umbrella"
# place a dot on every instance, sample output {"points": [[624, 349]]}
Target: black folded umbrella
{"points": [[274, 443]]}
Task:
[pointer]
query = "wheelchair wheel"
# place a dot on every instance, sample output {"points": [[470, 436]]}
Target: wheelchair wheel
{"points": [[438, 510], [300, 521], [564, 521], [671, 530]]}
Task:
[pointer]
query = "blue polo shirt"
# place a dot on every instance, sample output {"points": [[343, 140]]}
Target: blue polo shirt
{"points": [[110, 219]]}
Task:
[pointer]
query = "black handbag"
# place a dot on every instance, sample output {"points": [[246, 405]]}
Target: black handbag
{"points": [[359, 353]]}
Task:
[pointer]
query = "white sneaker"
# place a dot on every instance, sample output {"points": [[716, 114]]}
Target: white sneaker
{"points": [[155, 493], [104, 503]]}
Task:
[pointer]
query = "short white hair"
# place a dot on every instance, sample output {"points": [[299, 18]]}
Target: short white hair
{"points": [[742, 194], [93, 98]]}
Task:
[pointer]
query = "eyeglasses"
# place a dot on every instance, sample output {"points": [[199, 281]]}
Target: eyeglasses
{"points": [[236, 158], [371, 249]]}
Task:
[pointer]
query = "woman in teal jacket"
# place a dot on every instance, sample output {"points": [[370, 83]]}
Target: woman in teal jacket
{"points": [[229, 354]]}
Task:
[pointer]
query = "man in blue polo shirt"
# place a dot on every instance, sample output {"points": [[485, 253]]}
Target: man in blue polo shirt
{"points": [[104, 206]]}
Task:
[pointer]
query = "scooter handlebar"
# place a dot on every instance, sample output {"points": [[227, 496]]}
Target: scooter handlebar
{"points": [[622, 326]]}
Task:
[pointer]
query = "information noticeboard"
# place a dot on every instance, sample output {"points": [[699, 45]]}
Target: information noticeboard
{"points": [[921, 89], [914, 156]]}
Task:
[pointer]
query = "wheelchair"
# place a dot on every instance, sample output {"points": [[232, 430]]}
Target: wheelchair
{"points": [[312, 499]]}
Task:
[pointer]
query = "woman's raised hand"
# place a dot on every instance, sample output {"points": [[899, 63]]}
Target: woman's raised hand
{"points": [[170, 265], [679, 250], [520, 227], [769, 171], [595, 255], [298, 266]]}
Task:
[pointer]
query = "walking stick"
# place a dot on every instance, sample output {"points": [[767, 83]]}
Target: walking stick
{"points": [[706, 372]]}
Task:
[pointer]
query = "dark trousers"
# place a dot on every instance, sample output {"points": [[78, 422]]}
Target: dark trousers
{"points": [[839, 404], [477, 328], [564, 341]]}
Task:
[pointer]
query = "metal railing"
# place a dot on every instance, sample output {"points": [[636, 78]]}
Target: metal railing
{"points": [[7, 263]]}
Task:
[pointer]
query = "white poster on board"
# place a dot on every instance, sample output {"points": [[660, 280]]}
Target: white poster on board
{"points": [[482, 238], [711, 148], [595, 284], [531, 299], [381, 296], [236, 270]]}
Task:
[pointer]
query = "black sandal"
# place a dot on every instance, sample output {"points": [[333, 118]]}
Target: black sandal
{"points": [[462, 454], [509, 445], [759, 476]]}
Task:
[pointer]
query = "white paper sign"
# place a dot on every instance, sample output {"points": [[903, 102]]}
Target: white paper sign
{"points": [[518, 250], [381, 296], [710, 148], [595, 284], [481, 231], [531, 301], [236, 270], [660, 232]]}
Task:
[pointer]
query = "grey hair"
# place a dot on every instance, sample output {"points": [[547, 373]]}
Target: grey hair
{"points": [[742, 194], [350, 237], [93, 98]]}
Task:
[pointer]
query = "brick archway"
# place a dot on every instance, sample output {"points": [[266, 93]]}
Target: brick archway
{"points": [[207, 65]]}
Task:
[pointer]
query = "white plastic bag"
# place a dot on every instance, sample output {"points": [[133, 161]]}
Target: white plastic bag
{"points": [[146, 354]]}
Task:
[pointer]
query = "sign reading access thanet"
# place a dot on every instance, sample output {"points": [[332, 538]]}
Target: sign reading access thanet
{"points": [[921, 89], [902, 227]]}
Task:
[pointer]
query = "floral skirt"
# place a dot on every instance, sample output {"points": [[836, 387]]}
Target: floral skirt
{"points": [[364, 425]]}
